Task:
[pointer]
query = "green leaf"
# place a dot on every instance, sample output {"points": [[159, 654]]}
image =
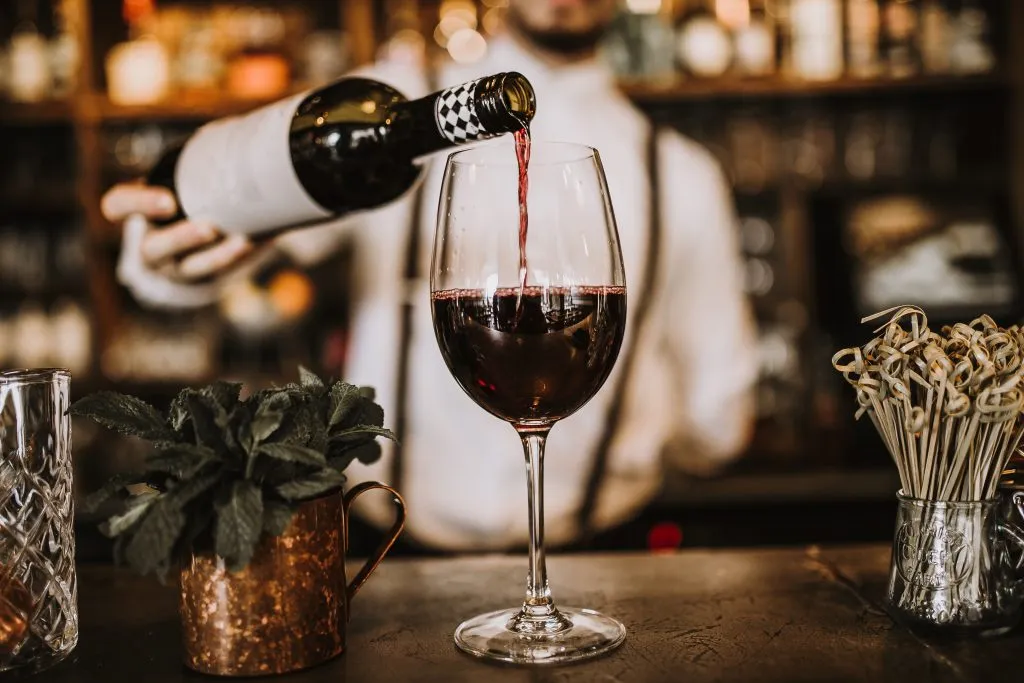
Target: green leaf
{"points": [[207, 432], [124, 414], [264, 425], [276, 517], [292, 453], [318, 434], [224, 422], [113, 487], [134, 511], [243, 428], [269, 416], [273, 472], [178, 413], [344, 399], [342, 456], [300, 425], [321, 482], [187, 491], [182, 460], [150, 547], [239, 524], [220, 399], [364, 413], [224, 394], [309, 380], [362, 430]]}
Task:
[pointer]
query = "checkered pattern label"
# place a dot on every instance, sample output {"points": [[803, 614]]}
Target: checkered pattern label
{"points": [[456, 114]]}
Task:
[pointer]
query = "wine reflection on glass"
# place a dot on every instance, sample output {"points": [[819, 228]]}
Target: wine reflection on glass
{"points": [[531, 351]]}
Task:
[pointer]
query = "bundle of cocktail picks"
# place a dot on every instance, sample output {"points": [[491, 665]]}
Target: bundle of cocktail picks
{"points": [[946, 404]]}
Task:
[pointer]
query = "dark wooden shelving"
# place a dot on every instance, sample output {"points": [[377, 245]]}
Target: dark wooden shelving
{"points": [[72, 288], [803, 486], [845, 186], [197, 106], [734, 88], [40, 200], [185, 106], [36, 113]]}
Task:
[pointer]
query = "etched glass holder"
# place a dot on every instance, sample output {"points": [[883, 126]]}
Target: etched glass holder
{"points": [[38, 588], [952, 567]]}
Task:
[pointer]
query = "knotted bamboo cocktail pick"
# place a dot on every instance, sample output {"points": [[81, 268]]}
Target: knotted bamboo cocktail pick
{"points": [[947, 405]]}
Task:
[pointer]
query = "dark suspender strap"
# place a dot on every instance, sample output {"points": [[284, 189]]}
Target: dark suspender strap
{"points": [[599, 465], [411, 275]]}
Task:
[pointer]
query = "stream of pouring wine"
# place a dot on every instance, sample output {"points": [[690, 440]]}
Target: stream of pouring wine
{"points": [[522, 138]]}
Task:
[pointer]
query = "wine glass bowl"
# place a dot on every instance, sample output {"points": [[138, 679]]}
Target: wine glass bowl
{"points": [[533, 357], [530, 337]]}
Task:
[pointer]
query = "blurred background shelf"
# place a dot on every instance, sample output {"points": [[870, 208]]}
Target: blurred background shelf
{"points": [[39, 199], [195, 107], [874, 148], [36, 113], [682, 91], [772, 487]]}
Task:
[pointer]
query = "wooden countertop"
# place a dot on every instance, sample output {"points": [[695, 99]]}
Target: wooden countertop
{"points": [[787, 615]]}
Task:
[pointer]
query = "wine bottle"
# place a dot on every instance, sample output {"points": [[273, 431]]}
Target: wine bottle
{"points": [[349, 146]]}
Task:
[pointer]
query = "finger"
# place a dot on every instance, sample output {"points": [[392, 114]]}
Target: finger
{"points": [[123, 200], [162, 244], [215, 260]]}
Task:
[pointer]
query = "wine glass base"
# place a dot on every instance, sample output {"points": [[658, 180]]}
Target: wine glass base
{"points": [[591, 634]]}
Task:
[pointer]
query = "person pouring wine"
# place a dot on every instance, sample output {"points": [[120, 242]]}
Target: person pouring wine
{"points": [[682, 387]]}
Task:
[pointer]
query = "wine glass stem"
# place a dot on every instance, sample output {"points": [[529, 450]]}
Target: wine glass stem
{"points": [[538, 595], [538, 615]]}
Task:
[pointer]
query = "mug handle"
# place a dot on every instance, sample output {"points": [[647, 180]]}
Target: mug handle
{"points": [[389, 539]]}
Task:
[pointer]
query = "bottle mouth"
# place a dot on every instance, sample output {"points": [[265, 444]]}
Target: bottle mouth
{"points": [[506, 102], [518, 95]]}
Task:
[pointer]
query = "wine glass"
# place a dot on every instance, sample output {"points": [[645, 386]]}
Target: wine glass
{"points": [[530, 351]]}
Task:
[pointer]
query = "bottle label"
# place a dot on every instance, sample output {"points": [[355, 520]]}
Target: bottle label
{"points": [[456, 114], [237, 173]]}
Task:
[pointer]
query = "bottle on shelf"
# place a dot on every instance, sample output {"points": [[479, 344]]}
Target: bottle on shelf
{"points": [[641, 43], [349, 146], [936, 37], [65, 55], [815, 39], [863, 137], [755, 42], [901, 49], [138, 70], [69, 323], [862, 35], [325, 56], [165, 348], [30, 336], [971, 51], [704, 46], [198, 61], [29, 77], [260, 70]]}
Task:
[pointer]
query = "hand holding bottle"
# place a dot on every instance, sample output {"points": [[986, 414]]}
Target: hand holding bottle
{"points": [[187, 251], [353, 145]]}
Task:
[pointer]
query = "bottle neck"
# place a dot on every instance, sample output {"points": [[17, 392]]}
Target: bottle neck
{"points": [[466, 113]]}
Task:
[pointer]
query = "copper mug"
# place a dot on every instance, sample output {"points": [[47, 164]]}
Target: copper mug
{"points": [[288, 609]]}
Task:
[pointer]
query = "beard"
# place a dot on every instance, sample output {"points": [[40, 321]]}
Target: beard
{"points": [[558, 41]]}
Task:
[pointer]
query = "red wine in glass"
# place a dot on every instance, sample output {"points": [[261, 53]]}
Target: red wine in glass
{"points": [[533, 355]]}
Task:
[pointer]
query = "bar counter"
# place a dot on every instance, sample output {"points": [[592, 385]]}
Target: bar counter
{"points": [[786, 615]]}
